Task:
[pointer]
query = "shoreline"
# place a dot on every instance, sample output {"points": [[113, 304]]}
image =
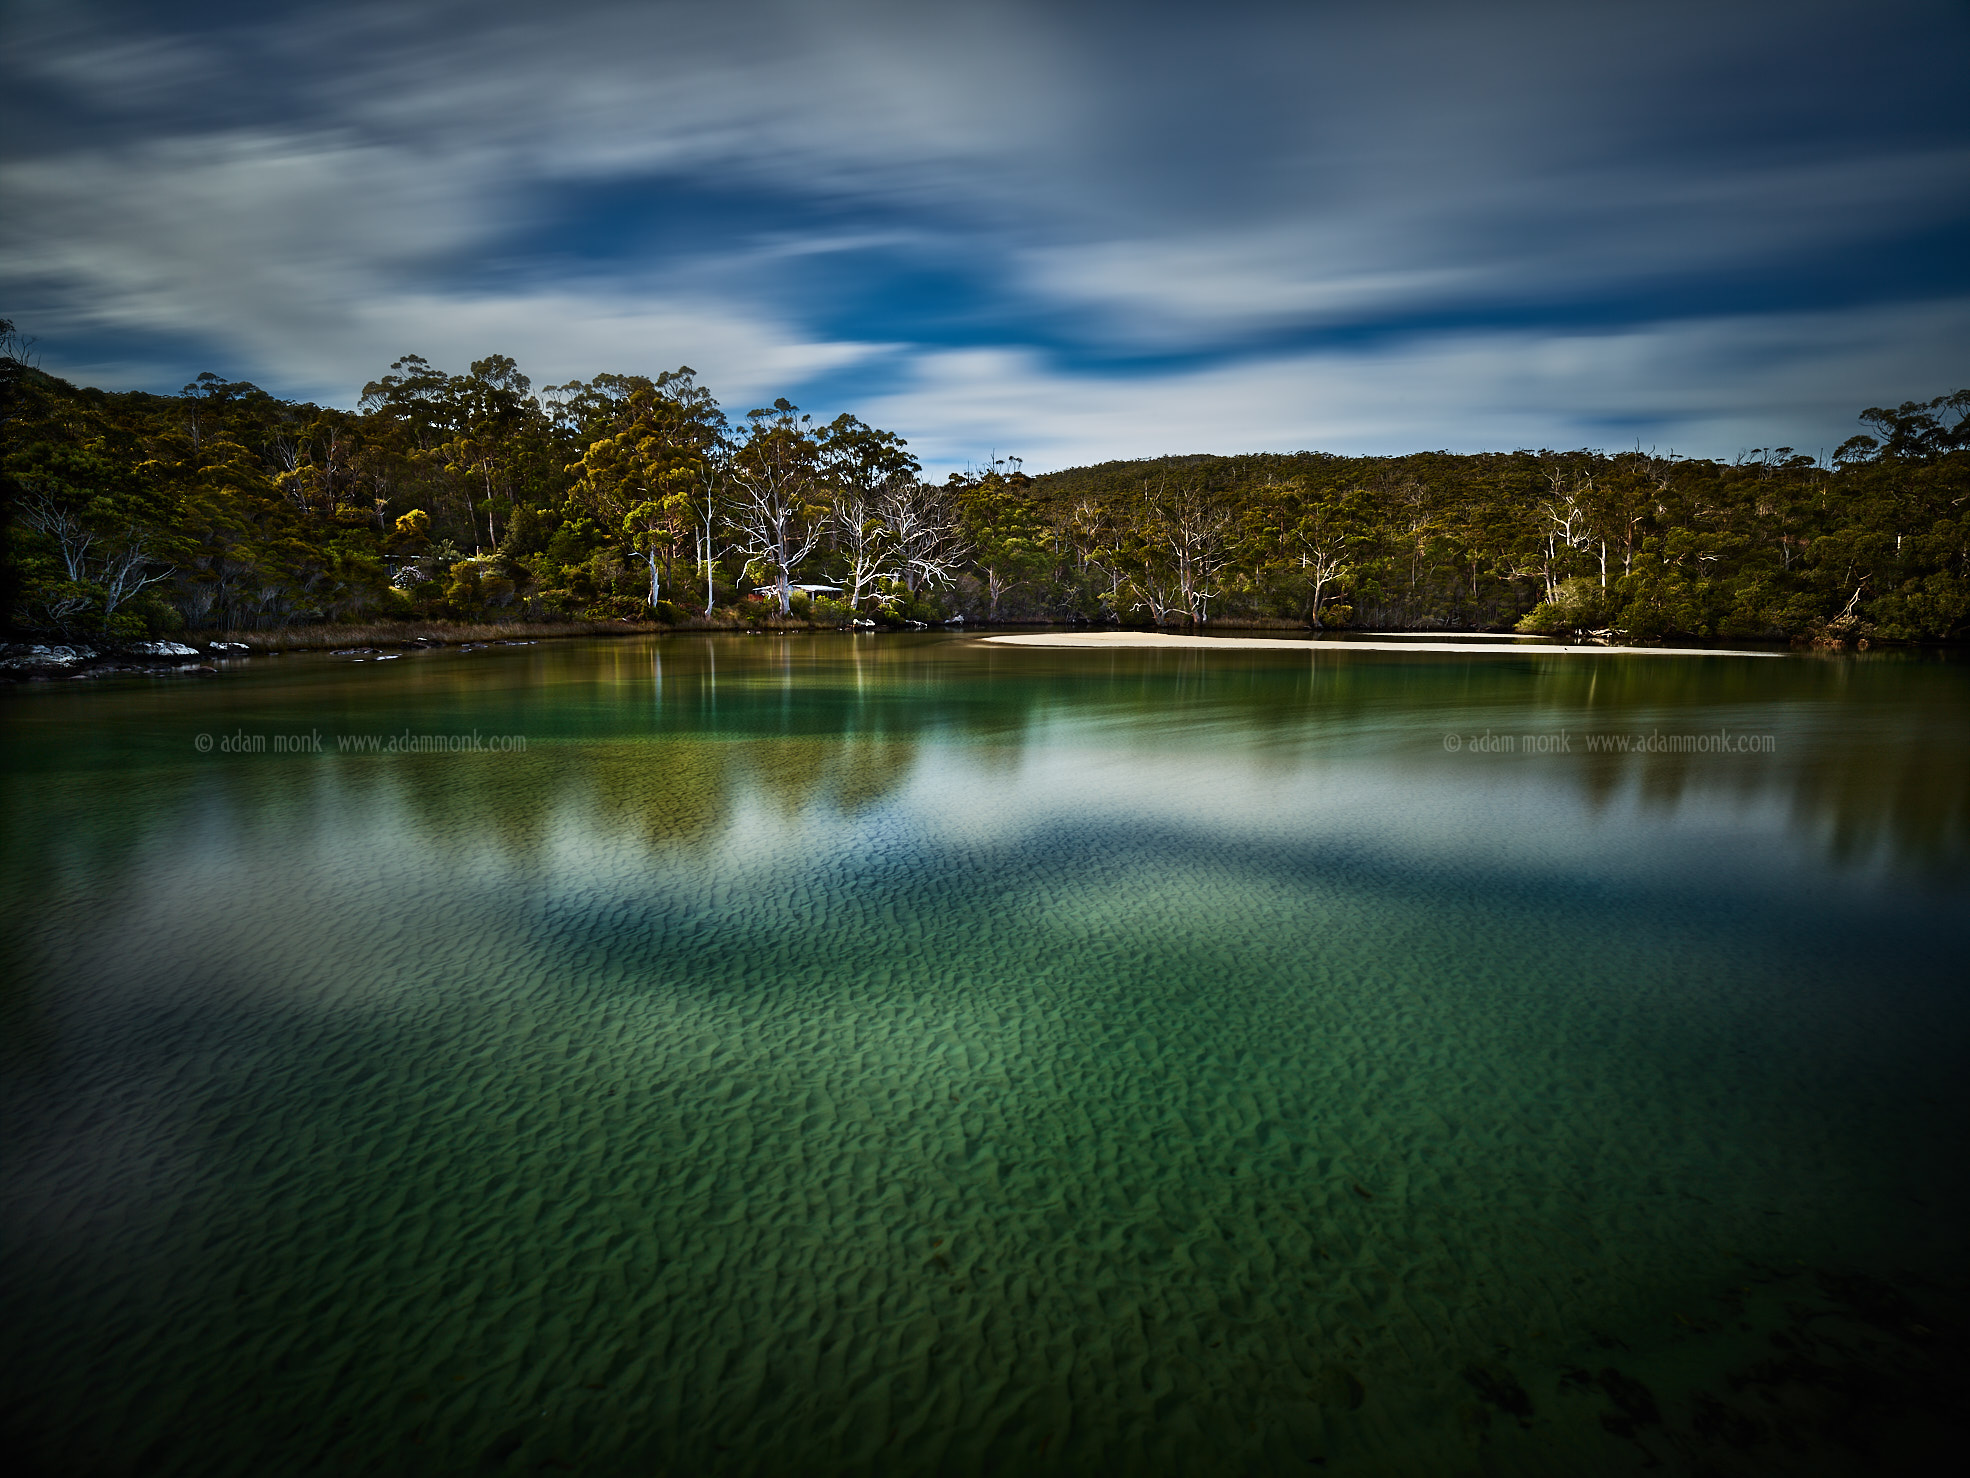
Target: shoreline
{"points": [[27, 660]]}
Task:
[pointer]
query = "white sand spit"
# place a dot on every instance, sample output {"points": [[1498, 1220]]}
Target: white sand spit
{"points": [[1303, 644]]}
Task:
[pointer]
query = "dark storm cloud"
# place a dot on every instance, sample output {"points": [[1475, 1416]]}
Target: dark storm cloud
{"points": [[1083, 231]]}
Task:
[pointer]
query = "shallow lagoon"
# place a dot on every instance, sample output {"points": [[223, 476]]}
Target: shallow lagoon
{"points": [[899, 1054]]}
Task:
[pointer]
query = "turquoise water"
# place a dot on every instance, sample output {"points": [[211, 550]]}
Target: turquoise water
{"points": [[905, 1055]]}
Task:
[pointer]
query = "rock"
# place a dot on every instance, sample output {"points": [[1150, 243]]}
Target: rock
{"points": [[44, 658], [164, 649], [229, 646]]}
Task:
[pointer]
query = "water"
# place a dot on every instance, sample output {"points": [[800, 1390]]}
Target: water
{"points": [[904, 1055]]}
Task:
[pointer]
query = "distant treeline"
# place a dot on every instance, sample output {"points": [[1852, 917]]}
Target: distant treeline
{"points": [[471, 497]]}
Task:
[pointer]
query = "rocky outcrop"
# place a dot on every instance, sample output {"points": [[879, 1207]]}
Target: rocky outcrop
{"points": [[27, 659], [37, 661]]}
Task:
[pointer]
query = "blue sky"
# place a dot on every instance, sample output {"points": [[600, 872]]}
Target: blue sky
{"points": [[1066, 232]]}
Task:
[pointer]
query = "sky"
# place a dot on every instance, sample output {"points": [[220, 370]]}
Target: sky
{"points": [[1064, 232]]}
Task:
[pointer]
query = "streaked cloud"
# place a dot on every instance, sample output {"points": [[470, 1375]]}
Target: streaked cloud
{"points": [[1696, 387], [1148, 230]]}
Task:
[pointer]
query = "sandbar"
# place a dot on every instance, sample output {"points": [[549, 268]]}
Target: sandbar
{"points": [[1307, 644]]}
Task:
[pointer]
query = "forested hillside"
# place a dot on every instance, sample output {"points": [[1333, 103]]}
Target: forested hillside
{"points": [[472, 497]]}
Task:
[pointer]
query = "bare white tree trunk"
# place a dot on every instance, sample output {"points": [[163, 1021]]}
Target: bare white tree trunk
{"points": [[923, 523], [864, 535], [121, 564], [769, 518]]}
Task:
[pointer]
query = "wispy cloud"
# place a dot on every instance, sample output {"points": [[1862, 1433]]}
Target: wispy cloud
{"points": [[1190, 227], [1703, 386], [318, 258], [1394, 257]]}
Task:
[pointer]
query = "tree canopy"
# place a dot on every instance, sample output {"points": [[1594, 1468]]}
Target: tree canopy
{"points": [[470, 496]]}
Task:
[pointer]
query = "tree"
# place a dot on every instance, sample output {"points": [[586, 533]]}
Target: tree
{"points": [[492, 408], [865, 467], [865, 541], [1314, 538], [1563, 530], [1194, 527], [777, 510], [16, 361], [927, 537], [1916, 431], [96, 524], [654, 459], [104, 549], [651, 529], [225, 506], [1002, 528], [708, 515]]}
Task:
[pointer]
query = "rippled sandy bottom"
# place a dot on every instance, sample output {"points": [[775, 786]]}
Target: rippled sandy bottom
{"points": [[879, 1141]]}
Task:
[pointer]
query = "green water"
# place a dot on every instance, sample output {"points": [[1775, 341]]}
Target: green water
{"points": [[904, 1055]]}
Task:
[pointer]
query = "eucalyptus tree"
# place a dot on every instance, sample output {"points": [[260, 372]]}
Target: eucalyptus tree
{"points": [[104, 540], [643, 472], [1560, 529], [1311, 537], [1007, 538], [694, 497], [239, 509], [778, 508], [1195, 530], [413, 414], [864, 541], [707, 519], [86, 492], [415, 397], [580, 411], [493, 410], [1097, 532], [927, 535], [1916, 431], [1621, 500], [478, 441], [861, 466]]}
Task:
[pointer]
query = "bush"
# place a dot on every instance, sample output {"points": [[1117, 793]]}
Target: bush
{"points": [[618, 608], [1580, 604], [1658, 601], [574, 542], [462, 595]]}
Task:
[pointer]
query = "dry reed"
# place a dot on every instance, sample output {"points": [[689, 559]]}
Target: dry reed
{"points": [[452, 633]]}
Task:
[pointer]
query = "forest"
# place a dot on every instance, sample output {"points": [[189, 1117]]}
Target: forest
{"points": [[471, 497]]}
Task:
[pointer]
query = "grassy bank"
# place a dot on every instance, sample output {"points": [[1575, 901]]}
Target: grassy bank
{"points": [[452, 633]]}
